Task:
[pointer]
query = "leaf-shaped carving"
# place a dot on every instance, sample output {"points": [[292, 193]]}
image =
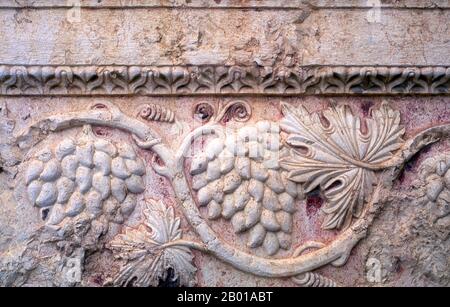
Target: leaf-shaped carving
{"points": [[152, 249], [339, 153]]}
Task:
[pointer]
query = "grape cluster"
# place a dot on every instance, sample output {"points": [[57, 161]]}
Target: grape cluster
{"points": [[90, 177], [239, 178]]}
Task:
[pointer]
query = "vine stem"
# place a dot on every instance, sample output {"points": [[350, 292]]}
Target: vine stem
{"points": [[191, 244]]}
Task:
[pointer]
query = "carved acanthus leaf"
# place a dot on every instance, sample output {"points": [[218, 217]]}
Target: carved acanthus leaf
{"points": [[339, 153], [152, 249]]}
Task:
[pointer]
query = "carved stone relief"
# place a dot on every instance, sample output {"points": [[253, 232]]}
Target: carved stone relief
{"points": [[224, 143], [248, 174]]}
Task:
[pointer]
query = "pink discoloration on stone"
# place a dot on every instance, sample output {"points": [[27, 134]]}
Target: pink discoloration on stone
{"points": [[365, 108], [313, 204], [102, 131]]}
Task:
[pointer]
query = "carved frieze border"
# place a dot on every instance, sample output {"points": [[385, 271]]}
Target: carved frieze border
{"points": [[87, 80]]}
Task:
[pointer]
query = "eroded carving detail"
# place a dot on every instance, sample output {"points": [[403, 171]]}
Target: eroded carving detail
{"points": [[436, 174], [9, 155]]}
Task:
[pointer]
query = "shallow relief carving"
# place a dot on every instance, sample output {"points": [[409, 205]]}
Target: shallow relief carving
{"points": [[222, 80], [84, 181], [252, 175]]}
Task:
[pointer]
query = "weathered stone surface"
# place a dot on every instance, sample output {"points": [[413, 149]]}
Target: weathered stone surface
{"points": [[267, 37], [225, 143]]}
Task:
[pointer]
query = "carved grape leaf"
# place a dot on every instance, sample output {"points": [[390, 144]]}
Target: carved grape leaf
{"points": [[339, 153], [151, 249]]}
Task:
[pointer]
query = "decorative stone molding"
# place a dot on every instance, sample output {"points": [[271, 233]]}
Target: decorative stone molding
{"points": [[222, 80]]}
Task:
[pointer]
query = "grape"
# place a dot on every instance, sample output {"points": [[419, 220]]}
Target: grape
{"points": [[239, 179], [90, 176]]}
